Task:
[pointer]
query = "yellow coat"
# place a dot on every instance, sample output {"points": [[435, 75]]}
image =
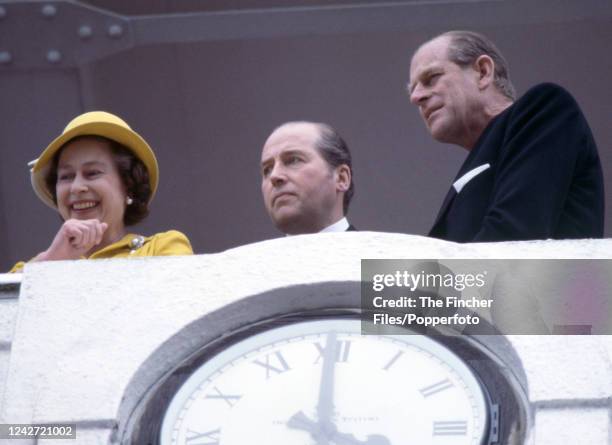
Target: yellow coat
{"points": [[171, 242]]}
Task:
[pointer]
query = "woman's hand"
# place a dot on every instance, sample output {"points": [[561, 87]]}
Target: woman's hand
{"points": [[73, 240]]}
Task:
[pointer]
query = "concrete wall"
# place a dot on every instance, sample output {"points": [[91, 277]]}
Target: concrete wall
{"points": [[9, 299], [91, 336]]}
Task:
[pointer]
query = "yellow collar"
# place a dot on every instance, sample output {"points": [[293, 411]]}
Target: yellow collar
{"points": [[130, 241]]}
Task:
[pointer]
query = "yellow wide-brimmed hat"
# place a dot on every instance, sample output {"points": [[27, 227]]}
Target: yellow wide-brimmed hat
{"points": [[93, 123]]}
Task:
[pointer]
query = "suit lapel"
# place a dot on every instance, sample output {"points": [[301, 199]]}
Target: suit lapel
{"points": [[450, 197], [452, 193]]}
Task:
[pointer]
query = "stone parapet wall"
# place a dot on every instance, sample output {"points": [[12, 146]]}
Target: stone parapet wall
{"points": [[87, 338]]}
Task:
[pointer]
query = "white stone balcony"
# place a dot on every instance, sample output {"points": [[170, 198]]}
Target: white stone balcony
{"points": [[84, 342]]}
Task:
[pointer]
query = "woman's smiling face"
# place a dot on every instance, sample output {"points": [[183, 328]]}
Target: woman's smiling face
{"points": [[88, 184]]}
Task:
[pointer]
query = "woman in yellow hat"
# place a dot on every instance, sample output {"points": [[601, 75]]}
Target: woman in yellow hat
{"points": [[100, 175]]}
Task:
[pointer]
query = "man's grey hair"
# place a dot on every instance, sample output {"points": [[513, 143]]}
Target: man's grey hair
{"points": [[466, 46], [335, 152]]}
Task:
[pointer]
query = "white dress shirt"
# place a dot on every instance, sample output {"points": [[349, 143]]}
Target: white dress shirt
{"points": [[338, 226]]}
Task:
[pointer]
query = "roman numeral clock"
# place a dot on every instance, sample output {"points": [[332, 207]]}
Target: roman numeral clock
{"points": [[322, 382], [314, 379]]}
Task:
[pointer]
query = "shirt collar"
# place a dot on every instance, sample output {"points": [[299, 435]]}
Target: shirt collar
{"points": [[338, 226]]}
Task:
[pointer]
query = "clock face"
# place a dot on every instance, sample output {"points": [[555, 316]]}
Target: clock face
{"points": [[323, 383]]}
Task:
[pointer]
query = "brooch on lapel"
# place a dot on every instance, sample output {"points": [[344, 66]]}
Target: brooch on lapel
{"points": [[136, 243]]}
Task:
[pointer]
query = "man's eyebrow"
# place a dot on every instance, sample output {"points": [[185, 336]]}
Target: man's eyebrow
{"points": [[293, 151], [287, 152], [426, 72]]}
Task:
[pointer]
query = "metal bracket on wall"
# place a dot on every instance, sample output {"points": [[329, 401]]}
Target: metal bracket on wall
{"points": [[36, 34], [60, 34]]}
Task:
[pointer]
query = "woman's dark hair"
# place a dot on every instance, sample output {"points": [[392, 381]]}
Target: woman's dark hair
{"points": [[132, 171]]}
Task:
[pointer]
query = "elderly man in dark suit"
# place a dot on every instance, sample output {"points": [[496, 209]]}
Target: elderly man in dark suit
{"points": [[307, 178], [533, 171]]}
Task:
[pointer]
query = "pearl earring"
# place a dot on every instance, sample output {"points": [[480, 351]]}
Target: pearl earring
{"points": [[129, 200]]}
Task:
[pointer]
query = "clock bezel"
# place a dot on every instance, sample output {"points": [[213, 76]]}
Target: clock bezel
{"points": [[502, 379], [292, 332]]}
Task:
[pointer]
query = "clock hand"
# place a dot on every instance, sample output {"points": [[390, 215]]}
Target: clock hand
{"points": [[325, 405], [378, 439], [348, 439], [300, 421], [324, 428]]}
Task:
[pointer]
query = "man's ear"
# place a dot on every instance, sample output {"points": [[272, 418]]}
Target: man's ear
{"points": [[343, 178], [485, 67]]}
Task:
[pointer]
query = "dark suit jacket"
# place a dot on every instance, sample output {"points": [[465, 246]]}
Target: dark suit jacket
{"points": [[351, 228], [544, 178]]}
